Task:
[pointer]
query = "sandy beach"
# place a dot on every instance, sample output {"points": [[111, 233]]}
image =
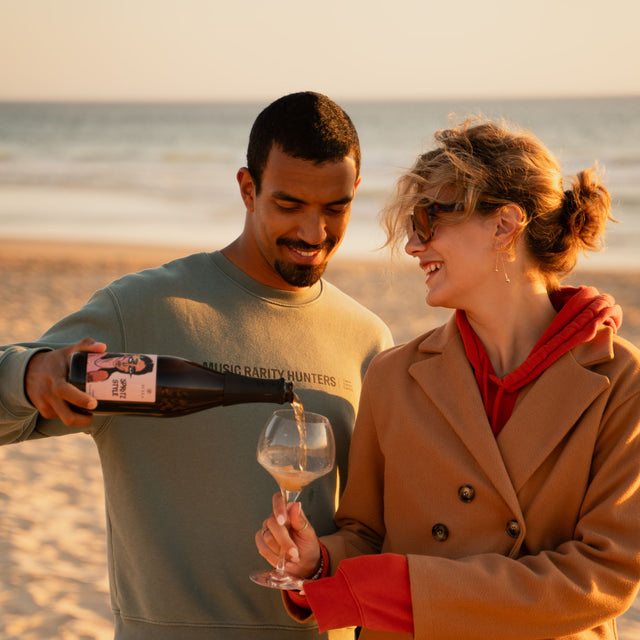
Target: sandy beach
{"points": [[52, 541]]}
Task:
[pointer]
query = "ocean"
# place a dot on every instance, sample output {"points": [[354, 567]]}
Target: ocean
{"points": [[164, 174]]}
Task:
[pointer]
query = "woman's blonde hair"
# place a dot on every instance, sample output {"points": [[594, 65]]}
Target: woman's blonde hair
{"points": [[481, 161]]}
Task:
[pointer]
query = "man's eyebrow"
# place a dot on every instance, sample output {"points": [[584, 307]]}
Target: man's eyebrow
{"points": [[345, 200], [283, 195]]}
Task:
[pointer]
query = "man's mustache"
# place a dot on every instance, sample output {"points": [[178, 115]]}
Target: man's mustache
{"points": [[300, 245]]}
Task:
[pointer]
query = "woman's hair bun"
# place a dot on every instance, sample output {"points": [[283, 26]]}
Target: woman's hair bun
{"points": [[586, 209]]}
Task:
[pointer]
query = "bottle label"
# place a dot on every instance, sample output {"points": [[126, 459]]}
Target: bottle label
{"points": [[122, 377]]}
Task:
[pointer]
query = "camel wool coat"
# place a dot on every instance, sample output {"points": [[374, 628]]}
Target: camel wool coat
{"points": [[533, 534]]}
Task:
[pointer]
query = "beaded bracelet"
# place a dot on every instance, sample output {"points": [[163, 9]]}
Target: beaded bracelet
{"points": [[318, 573]]}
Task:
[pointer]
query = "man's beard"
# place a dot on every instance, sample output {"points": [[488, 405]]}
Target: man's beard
{"points": [[302, 275]]}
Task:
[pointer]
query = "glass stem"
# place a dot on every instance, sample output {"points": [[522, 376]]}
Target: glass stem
{"points": [[287, 496], [280, 566]]}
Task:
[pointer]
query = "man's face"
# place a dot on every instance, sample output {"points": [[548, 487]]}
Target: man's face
{"points": [[298, 220]]}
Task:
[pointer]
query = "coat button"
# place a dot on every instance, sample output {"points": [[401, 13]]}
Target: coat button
{"points": [[440, 532], [466, 493], [513, 528]]}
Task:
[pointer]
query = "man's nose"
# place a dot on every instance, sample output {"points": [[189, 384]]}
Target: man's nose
{"points": [[313, 228]]}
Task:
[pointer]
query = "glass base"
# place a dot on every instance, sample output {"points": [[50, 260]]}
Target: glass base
{"points": [[275, 580]]}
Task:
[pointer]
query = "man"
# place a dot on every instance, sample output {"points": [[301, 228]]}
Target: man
{"points": [[178, 490]]}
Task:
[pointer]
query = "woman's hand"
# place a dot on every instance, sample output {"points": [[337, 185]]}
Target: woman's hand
{"points": [[288, 528]]}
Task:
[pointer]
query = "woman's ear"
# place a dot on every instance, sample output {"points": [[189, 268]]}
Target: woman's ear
{"points": [[509, 223]]}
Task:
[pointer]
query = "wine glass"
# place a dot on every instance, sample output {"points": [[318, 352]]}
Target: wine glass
{"points": [[295, 447]]}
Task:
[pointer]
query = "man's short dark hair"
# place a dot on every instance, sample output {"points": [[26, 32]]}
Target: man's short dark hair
{"points": [[304, 125]]}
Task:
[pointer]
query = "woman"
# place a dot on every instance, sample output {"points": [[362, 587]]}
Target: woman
{"points": [[101, 368], [495, 465]]}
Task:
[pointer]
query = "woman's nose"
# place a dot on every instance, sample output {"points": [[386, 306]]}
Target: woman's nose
{"points": [[414, 245]]}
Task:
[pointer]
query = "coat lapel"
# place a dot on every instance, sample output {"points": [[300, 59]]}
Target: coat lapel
{"points": [[447, 379], [547, 410], [550, 406]]}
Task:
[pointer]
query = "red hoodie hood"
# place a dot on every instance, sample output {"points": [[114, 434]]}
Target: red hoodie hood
{"points": [[582, 311]]}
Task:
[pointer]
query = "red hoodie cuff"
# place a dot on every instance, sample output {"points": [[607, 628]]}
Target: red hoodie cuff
{"points": [[367, 591], [332, 603], [298, 598]]}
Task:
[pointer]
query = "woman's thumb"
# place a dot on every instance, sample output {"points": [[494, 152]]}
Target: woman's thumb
{"points": [[298, 520]]}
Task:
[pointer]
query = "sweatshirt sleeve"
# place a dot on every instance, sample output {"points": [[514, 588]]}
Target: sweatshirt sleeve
{"points": [[17, 415], [19, 420], [367, 591]]}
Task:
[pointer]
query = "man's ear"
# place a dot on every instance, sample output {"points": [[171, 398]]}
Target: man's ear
{"points": [[247, 188], [509, 222]]}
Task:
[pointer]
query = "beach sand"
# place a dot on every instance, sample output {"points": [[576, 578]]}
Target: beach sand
{"points": [[52, 540]]}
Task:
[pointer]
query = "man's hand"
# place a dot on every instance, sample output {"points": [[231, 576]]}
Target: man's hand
{"points": [[48, 390]]}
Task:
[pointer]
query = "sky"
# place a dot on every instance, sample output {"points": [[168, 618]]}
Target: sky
{"points": [[235, 50]]}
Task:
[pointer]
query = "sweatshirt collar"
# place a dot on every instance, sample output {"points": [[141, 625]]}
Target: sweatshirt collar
{"points": [[259, 290]]}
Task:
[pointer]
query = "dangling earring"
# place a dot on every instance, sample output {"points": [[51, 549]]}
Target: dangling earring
{"points": [[504, 269], [506, 275]]}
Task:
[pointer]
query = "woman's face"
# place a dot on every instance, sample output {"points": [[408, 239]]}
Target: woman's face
{"points": [[459, 261], [129, 364]]}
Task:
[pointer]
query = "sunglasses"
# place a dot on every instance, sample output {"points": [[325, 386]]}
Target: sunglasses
{"points": [[132, 361], [425, 216]]}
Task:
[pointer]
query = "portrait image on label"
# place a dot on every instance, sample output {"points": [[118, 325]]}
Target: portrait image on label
{"points": [[122, 377]]}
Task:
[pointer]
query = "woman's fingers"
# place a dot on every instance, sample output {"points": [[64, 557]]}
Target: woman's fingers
{"points": [[289, 529]]}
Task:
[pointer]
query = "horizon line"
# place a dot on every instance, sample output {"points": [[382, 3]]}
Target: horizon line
{"points": [[371, 99]]}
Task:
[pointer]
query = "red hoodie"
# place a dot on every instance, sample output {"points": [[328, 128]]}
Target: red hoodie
{"points": [[581, 312], [359, 593]]}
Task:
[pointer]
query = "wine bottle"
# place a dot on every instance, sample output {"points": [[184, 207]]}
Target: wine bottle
{"points": [[164, 386]]}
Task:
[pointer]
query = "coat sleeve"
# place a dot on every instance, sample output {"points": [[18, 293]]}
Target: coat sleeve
{"points": [[360, 516], [582, 583]]}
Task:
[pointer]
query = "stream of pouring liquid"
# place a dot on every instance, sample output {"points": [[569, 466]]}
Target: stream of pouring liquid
{"points": [[298, 411]]}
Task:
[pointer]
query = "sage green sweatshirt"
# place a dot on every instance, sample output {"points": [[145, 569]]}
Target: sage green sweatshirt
{"points": [[185, 496]]}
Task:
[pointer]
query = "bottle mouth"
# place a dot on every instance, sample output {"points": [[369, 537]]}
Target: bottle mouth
{"points": [[288, 390]]}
